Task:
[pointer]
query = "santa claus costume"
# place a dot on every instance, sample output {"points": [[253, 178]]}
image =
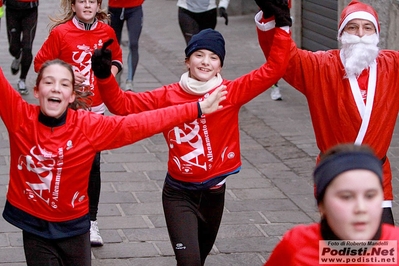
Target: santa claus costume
{"points": [[347, 105]]}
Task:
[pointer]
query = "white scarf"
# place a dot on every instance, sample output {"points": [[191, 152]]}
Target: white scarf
{"points": [[195, 87]]}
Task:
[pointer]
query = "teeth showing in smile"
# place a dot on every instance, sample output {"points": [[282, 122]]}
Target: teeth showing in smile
{"points": [[54, 100]]}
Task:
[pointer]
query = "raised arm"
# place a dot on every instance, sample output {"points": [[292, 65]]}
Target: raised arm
{"points": [[11, 104], [121, 102], [302, 64], [117, 131], [246, 87]]}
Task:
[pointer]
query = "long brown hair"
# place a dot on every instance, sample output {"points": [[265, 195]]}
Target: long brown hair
{"points": [[82, 98], [67, 13]]}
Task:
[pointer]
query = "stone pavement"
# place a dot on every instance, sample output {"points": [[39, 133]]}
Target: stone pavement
{"points": [[272, 193]]}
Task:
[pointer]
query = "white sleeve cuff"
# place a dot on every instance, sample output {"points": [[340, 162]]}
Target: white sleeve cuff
{"points": [[261, 25], [268, 25]]}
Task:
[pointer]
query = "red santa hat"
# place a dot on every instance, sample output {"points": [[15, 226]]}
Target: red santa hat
{"points": [[358, 10]]}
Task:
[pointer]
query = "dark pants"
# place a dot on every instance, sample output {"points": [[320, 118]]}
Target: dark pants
{"points": [[70, 251], [21, 21], [192, 23], [193, 219], [94, 186], [134, 22]]}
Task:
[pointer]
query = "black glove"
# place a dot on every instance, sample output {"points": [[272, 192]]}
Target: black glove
{"points": [[282, 15], [280, 2], [101, 61], [278, 8], [266, 7], [223, 13]]}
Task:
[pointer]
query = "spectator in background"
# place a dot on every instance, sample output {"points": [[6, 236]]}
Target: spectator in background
{"points": [[21, 19], [130, 11], [196, 15], [275, 93]]}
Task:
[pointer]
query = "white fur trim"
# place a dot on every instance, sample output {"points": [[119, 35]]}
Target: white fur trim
{"points": [[261, 25], [387, 204]]}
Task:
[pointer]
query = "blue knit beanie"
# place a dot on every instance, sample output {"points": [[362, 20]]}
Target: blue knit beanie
{"points": [[208, 39]]}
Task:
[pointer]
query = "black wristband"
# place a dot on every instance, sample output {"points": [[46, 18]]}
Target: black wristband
{"points": [[199, 110], [118, 65]]}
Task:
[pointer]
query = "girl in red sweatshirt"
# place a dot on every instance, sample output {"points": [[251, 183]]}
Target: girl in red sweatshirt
{"points": [[50, 148]]}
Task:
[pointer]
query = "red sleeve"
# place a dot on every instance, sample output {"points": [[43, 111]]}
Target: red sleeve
{"points": [[109, 132], [257, 81], [281, 254], [121, 102], [265, 39], [11, 105], [302, 64], [49, 50]]}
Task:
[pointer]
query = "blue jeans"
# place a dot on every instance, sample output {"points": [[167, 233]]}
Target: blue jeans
{"points": [[134, 22]]}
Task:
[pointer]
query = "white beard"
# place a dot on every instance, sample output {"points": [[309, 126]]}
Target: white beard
{"points": [[358, 52]]}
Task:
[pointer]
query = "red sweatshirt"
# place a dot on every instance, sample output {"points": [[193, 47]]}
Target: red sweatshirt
{"points": [[49, 165], [73, 44], [207, 147], [300, 247]]}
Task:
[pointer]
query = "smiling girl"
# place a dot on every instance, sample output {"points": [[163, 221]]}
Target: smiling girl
{"points": [[205, 151], [73, 38], [50, 148]]}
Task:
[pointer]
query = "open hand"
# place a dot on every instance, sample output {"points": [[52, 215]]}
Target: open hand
{"points": [[212, 102]]}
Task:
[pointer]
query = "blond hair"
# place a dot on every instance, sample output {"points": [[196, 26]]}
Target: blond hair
{"points": [[67, 13]]}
